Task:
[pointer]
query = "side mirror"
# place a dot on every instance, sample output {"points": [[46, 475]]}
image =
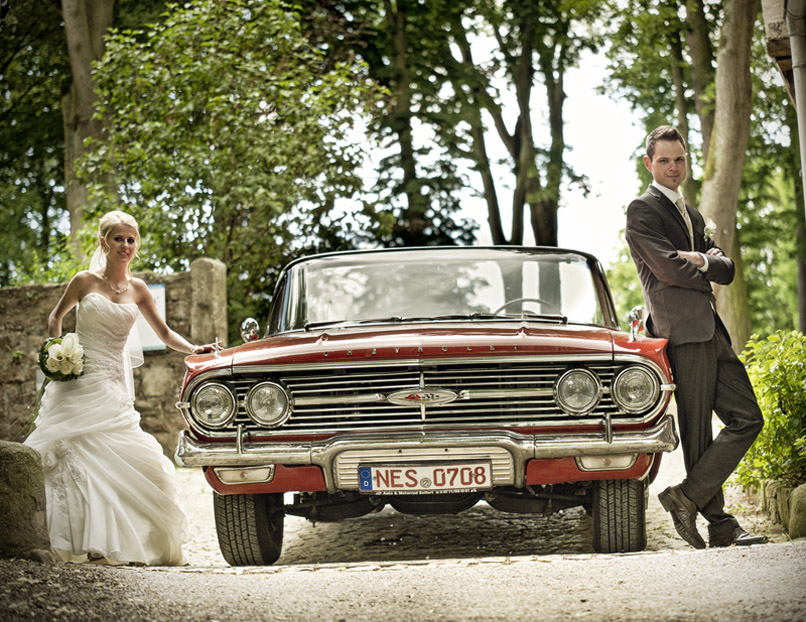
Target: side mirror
{"points": [[250, 330], [636, 321]]}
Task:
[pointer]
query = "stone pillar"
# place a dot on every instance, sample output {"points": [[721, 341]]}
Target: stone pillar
{"points": [[208, 313], [24, 532]]}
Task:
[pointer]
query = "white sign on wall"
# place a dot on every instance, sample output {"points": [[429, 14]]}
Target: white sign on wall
{"points": [[148, 337]]}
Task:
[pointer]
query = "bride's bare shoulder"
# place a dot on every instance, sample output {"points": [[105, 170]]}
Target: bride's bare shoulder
{"points": [[84, 280], [140, 289]]}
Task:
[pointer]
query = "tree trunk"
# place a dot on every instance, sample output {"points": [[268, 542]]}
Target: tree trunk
{"points": [[524, 156], [544, 203], [723, 170], [414, 217], [480, 157], [702, 68], [85, 24], [731, 301], [681, 104]]}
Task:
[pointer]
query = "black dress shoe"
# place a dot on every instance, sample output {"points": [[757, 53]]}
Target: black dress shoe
{"points": [[684, 515], [735, 536]]}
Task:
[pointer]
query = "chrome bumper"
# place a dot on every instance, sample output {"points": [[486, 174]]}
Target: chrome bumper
{"points": [[522, 447]]}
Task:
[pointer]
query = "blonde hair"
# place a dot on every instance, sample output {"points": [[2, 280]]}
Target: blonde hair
{"points": [[109, 221]]}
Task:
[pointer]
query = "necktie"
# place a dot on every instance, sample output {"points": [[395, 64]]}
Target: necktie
{"points": [[681, 207]]}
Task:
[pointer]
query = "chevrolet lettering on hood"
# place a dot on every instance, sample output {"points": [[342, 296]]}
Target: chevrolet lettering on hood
{"points": [[428, 380]]}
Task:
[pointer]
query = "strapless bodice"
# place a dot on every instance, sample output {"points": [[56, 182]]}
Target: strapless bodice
{"points": [[103, 327]]}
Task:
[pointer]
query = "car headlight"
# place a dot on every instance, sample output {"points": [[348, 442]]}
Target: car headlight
{"points": [[635, 389], [213, 405], [267, 404], [577, 391]]}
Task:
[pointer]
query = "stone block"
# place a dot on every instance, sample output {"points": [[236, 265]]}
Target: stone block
{"points": [[209, 311], [782, 495], [22, 504], [797, 513]]}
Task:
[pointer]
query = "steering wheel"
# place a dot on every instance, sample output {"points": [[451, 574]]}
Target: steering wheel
{"points": [[516, 300]]}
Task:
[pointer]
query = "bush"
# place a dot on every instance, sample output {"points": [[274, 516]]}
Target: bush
{"points": [[777, 369]]}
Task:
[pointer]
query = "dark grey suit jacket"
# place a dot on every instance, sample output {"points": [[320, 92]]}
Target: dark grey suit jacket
{"points": [[678, 296]]}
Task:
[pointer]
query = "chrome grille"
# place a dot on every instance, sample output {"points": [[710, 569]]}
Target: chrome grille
{"points": [[352, 398]]}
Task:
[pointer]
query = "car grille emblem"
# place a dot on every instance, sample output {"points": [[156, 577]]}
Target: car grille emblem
{"points": [[425, 396]]}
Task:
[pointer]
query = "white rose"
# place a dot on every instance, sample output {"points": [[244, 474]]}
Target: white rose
{"points": [[66, 367], [55, 352], [69, 345], [52, 365], [77, 355], [78, 368], [710, 229]]}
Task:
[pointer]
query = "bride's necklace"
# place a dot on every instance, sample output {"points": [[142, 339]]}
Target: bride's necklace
{"points": [[117, 290]]}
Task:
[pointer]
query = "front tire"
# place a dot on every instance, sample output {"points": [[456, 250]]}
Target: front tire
{"points": [[249, 527], [619, 516]]}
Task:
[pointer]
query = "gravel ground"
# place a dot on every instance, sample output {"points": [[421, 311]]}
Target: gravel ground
{"points": [[369, 559]]}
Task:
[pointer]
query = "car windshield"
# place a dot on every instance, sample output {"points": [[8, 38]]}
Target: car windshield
{"points": [[441, 284]]}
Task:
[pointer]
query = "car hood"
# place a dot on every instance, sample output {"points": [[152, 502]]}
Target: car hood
{"points": [[421, 342]]}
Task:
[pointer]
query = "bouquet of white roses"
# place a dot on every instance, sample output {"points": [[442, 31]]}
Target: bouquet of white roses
{"points": [[62, 358]]}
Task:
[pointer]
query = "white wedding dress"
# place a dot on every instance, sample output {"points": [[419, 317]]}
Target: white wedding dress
{"points": [[110, 491]]}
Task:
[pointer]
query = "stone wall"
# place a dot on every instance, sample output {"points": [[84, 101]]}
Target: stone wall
{"points": [[195, 307]]}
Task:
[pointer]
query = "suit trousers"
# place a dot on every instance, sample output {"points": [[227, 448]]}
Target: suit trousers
{"points": [[710, 379]]}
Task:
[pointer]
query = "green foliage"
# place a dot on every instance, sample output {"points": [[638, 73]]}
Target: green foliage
{"points": [[642, 66], [625, 285], [230, 136], [32, 195], [770, 210], [777, 368]]}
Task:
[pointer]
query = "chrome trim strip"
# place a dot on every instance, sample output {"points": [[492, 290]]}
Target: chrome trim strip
{"points": [[522, 447], [494, 393], [379, 398], [372, 398], [414, 362]]}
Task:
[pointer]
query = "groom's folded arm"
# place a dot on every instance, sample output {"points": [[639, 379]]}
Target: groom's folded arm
{"points": [[648, 240]]}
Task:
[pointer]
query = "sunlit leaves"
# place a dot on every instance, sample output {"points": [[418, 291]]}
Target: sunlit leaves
{"points": [[228, 134]]}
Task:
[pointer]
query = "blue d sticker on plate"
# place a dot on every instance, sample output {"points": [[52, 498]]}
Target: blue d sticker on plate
{"points": [[365, 478]]}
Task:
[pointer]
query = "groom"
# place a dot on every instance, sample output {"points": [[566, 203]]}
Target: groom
{"points": [[676, 263]]}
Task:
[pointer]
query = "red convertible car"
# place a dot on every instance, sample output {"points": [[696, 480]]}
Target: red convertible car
{"points": [[430, 379]]}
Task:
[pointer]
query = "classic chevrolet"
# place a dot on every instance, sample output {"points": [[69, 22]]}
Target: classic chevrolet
{"points": [[430, 379]]}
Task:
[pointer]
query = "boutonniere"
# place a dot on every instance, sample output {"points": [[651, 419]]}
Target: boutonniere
{"points": [[710, 229]]}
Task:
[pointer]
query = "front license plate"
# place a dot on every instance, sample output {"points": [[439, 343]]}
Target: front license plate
{"points": [[425, 478]]}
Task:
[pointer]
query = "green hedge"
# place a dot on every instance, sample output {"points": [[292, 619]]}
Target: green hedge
{"points": [[777, 368]]}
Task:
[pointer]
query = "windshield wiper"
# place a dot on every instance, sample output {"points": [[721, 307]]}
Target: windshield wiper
{"points": [[524, 315], [539, 317], [312, 325]]}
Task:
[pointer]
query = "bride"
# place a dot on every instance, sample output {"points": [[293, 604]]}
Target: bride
{"points": [[110, 491]]}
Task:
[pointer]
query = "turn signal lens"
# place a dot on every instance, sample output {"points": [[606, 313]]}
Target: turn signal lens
{"points": [[213, 405], [635, 389], [577, 391], [267, 404]]}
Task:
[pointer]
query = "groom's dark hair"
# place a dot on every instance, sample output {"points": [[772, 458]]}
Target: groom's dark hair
{"points": [[664, 132]]}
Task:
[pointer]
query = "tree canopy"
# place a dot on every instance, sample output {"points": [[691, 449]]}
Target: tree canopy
{"points": [[254, 131], [228, 135]]}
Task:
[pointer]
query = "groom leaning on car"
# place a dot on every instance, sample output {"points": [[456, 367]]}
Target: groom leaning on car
{"points": [[676, 263]]}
